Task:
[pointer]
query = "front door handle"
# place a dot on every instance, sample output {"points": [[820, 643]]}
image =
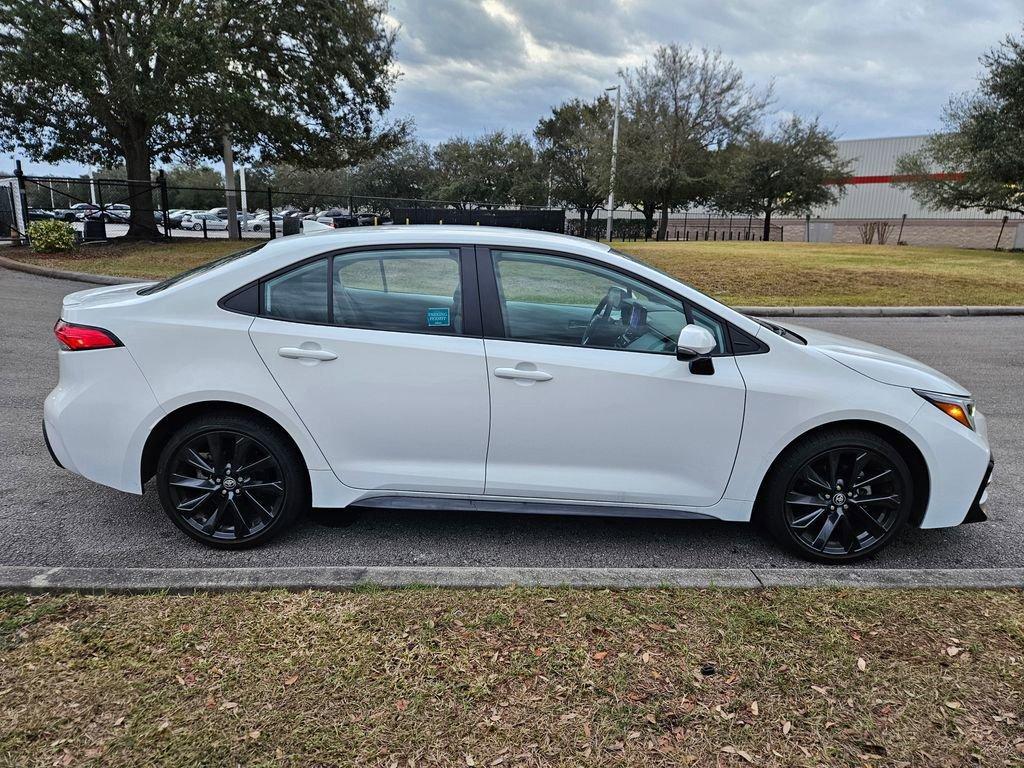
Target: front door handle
{"points": [[298, 353], [519, 373]]}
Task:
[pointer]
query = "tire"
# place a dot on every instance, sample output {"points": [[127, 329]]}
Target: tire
{"points": [[837, 496], [231, 507], [197, 227]]}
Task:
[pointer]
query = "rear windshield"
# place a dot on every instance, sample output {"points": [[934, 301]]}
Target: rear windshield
{"points": [[190, 273]]}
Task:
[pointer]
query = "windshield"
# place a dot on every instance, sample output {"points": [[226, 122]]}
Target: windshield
{"points": [[190, 273]]}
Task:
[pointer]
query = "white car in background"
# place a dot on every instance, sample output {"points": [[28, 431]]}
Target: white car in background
{"points": [[194, 221], [487, 369]]}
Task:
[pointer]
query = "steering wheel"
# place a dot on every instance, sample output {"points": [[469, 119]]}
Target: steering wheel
{"points": [[603, 312]]}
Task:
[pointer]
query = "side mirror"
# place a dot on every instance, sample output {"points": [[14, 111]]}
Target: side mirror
{"points": [[695, 341]]}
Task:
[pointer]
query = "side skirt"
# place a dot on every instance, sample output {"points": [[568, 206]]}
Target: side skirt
{"points": [[458, 504]]}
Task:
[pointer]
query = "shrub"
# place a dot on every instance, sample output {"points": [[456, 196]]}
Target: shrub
{"points": [[51, 236]]}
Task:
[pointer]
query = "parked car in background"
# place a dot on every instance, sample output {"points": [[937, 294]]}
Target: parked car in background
{"points": [[38, 214], [118, 213], [337, 218], [487, 369], [74, 212], [261, 223], [195, 222]]}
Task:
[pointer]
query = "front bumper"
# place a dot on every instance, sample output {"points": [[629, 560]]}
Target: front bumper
{"points": [[977, 514]]}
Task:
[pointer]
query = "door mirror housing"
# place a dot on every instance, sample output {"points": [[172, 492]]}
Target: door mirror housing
{"points": [[695, 341]]}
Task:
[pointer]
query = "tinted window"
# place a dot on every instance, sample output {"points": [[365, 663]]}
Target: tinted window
{"points": [[299, 295], [560, 300], [411, 290]]}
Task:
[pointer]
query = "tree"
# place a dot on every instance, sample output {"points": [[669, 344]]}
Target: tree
{"points": [[787, 171], [573, 151], [404, 172], [132, 80], [194, 187], [496, 168], [977, 162], [679, 106]]}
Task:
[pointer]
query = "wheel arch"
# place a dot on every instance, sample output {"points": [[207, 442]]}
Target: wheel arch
{"points": [[906, 447], [164, 428]]}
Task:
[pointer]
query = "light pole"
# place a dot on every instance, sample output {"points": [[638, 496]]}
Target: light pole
{"points": [[615, 155]]}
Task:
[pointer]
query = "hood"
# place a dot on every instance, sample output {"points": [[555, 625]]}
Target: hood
{"points": [[110, 294], [878, 363]]}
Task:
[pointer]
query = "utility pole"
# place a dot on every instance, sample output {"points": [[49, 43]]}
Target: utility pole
{"points": [[245, 202], [229, 187], [615, 155]]}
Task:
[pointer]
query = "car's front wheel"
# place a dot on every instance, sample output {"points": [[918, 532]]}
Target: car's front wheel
{"points": [[231, 481], [838, 496]]}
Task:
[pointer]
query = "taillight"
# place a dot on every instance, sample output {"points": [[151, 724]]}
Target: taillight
{"points": [[75, 337]]}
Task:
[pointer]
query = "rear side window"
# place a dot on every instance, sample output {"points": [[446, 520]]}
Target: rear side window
{"points": [[299, 295], [414, 290]]}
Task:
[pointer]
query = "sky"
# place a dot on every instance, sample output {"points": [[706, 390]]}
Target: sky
{"points": [[867, 68]]}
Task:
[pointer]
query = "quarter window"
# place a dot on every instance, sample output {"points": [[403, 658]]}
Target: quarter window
{"points": [[299, 295], [558, 300]]}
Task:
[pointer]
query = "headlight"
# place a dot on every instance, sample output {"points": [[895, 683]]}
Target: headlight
{"points": [[959, 408]]}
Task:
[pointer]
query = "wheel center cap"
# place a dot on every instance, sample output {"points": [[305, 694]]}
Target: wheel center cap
{"points": [[839, 499], [229, 483]]}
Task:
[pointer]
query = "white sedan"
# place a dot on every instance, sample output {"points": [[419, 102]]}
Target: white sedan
{"points": [[199, 221], [484, 369]]}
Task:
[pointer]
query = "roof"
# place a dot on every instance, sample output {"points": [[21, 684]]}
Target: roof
{"points": [[453, 234]]}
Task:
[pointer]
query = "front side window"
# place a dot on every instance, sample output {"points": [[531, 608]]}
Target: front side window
{"points": [[413, 290], [558, 300]]}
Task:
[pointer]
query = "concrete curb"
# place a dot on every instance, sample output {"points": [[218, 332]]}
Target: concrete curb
{"points": [[60, 274], [185, 580], [85, 277]]}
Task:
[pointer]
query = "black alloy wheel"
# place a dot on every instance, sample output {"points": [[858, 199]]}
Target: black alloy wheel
{"points": [[231, 484], [840, 497]]}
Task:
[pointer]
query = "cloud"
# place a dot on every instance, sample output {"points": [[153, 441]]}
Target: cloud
{"points": [[871, 68]]}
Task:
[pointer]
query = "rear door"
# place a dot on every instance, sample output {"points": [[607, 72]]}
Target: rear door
{"points": [[380, 353], [588, 401]]}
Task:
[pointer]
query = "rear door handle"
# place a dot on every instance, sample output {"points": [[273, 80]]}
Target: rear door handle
{"points": [[298, 353], [518, 373]]}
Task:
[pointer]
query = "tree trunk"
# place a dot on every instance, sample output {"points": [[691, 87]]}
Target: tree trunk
{"points": [[663, 223], [648, 210], [588, 216], [767, 224], [141, 225]]}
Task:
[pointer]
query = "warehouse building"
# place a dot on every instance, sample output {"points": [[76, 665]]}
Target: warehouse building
{"points": [[873, 197]]}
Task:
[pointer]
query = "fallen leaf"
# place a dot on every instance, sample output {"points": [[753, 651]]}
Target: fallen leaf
{"points": [[861, 664], [734, 751], [954, 704], [786, 727], [229, 705], [599, 656], [754, 709], [402, 704], [470, 760], [164, 725], [819, 689], [254, 735], [291, 680]]}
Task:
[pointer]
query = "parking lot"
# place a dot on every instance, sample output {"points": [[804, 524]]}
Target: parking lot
{"points": [[49, 517]]}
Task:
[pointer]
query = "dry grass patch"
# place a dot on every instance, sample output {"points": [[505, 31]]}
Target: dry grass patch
{"points": [[802, 274], [514, 677], [740, 273]]}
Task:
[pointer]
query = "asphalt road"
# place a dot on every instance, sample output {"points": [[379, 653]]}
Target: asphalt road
{"points": [[49, 517]]}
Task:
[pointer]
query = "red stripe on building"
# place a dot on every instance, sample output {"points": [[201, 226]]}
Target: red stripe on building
{"points": [[897, 179]]}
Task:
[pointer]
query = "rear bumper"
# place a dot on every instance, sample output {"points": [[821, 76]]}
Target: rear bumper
{"points": [[977, 514], [49, 448]]}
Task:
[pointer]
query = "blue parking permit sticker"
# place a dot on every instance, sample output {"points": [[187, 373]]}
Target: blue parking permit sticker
{"points": [[438, 317]]}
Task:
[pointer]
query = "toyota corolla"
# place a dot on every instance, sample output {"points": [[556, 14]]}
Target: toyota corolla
{"points": [[471, 368]]}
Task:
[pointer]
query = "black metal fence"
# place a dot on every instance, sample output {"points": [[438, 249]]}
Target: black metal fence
{"points": [[631, 225]]}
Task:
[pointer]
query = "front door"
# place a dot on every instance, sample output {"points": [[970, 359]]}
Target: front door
{"points": [[376, 353], [588, 401]]}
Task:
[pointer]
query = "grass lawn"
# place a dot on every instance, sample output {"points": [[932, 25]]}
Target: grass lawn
{"points": [[425, 677], [739, 273]]}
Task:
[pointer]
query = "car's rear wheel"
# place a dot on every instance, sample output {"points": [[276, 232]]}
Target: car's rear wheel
{"points": [[838, 496], [231, 481]]}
